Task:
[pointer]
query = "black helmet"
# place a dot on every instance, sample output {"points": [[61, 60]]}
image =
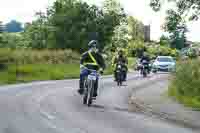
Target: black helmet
{"points": [[93, 43]]}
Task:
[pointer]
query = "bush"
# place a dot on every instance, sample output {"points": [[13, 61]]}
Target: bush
{"points": [[136, 48], [192, 53], [5, 57], [185, 85], [29, 56], [154, 51]]}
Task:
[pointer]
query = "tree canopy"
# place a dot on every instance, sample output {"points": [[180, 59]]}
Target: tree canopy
{"points": [[190, 8], [73, 23], [176, 19]]}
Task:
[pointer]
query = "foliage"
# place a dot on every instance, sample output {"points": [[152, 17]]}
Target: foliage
{"points": [[164, 41], [158, 50], [120, 38], [29, 56], [176, 20], [39, 72], [173, 21], [11, 40], [76, 23], [190, 8], [136, 48], [192, 53], [135, 29], [128, 35], [14, 26], [72, 24], [5, 55], [35, 35], [185, 85], [155, 4], [175, 25]]}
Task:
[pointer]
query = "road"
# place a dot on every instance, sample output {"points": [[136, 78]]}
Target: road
{"points": [[55, 107]]}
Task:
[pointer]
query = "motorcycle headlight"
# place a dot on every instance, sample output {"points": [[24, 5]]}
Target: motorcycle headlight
{"points": [[119, 66]]}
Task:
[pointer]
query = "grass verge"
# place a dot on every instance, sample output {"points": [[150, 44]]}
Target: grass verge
{"points": [[188, 101], [41, 72], [38, 72], [185, 85]]}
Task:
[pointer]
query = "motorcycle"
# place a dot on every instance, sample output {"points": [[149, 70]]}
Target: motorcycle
{"points": [[120, 74], [89, 84], [145, 68]]}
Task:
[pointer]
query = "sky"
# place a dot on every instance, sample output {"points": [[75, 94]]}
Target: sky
{"points": [[24, 10]]}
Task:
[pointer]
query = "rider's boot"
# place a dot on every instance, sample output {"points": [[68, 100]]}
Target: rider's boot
{"points": [[115, 76], [125, 76], [81, 87], [95, 94]]}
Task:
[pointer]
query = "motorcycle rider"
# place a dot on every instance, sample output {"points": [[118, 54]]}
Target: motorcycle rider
{"points": [[120, 58], [92, 59], [146, 58]]}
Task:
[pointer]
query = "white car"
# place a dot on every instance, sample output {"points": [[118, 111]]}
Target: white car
{"points": [[164, 63]]}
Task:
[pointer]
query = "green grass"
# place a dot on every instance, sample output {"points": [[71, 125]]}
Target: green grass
{"points": [[38, 72], [188, 101], [185, 85]]}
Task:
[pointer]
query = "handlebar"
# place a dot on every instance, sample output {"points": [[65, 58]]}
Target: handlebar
{"points": [[92, 70]]}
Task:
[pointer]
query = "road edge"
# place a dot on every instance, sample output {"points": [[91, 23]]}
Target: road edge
{"points": [[139, 106]]}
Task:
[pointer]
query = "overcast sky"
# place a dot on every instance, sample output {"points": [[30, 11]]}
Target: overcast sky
{"points": [[24, 10]]}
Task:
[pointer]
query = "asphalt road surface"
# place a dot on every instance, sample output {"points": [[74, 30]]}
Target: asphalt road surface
{"points": [[55, 107]]}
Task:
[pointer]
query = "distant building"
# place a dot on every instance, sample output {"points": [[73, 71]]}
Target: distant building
{"points": [[147, 33]]}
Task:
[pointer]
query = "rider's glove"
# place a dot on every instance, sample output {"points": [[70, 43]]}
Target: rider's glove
{"points": [[82, 67], [101, 71]]}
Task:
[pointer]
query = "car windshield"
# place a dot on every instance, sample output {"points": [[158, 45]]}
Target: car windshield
{"points": [[165, 59]]}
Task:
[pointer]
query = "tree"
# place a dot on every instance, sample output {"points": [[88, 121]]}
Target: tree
{"points": [[164, 41], [176, 27], [72, 24], [119, 37], [36, 34], [76, 21], [135, 29], [11, 40], [14, 26], [190, 8]]}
